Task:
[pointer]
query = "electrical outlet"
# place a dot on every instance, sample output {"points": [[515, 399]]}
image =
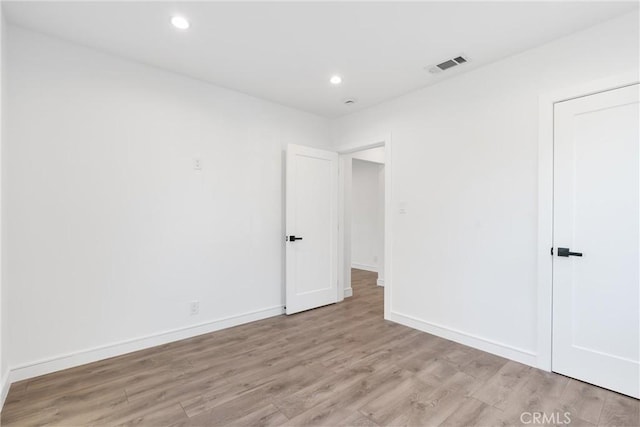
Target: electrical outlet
{"points": [[197, 164], [194, 307]]}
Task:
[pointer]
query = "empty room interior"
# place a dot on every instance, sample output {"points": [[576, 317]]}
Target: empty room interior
{"points": [[320, 213]]}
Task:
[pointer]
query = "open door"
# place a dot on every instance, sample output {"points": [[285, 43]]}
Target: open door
{"points": [[312, 228]]}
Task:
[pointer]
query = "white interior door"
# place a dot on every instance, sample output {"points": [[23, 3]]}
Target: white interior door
{"points": [[312, 228], [596, 323]]}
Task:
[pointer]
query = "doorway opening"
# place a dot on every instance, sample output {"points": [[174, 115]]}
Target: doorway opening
{"points": [[364, 243], [318, 226], [367, 212]]}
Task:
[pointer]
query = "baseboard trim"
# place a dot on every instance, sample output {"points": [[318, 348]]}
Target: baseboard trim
{"points": [[104, 352], [348, 292], [365, 267], [380, 282], [490, 346], [5, 384]]}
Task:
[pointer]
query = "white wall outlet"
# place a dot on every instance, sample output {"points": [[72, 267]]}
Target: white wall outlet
{"points": [[197, 164], [194, 308]]}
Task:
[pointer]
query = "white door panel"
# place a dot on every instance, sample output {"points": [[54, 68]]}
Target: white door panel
{"points": [[312, 214], [596, 323]]}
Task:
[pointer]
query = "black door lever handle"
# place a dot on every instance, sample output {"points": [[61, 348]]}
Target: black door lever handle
{"points": [[566, 252], [294, 238]]}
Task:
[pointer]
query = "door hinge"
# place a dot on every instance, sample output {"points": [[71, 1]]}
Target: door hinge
{"points": [[551, 251]]}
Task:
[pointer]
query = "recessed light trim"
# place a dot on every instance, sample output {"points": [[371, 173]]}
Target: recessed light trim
{"points": [[180, 22], [335, 80]]}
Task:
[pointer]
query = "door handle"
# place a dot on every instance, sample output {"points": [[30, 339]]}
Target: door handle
{"points": [[294, 238], [565, 252]]}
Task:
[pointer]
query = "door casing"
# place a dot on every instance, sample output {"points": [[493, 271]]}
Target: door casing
{"points": [[545, 200]]}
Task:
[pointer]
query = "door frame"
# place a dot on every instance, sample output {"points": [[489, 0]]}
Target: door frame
{"points": [[545, 200], [344, 240]]}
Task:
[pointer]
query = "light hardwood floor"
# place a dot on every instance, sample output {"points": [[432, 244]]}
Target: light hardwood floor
{"points": [[333, 366]]}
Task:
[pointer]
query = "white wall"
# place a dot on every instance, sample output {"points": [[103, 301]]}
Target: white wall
{"points": [[464, 156], [366, 230], [109, 230]]}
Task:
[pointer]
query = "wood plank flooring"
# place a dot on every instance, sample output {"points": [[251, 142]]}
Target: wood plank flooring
{"points": [[334, 366]]}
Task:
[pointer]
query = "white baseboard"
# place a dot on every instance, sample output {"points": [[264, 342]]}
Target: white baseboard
{"points": [[380, 282], [366, 267], [493, 347], [348, 292], [5, 384], [104, 352]]}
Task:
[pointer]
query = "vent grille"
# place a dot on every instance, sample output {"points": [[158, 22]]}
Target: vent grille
{"points": [[449, 63]]}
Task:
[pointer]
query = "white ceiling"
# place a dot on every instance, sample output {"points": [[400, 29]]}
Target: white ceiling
{"points": [[286, 52]]}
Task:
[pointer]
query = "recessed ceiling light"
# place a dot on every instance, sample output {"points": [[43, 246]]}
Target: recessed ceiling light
{"points": [[335, 80], [180, 22]]}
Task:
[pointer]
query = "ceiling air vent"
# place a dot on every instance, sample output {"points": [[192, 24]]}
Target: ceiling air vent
{"points": [[449, 63]]}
